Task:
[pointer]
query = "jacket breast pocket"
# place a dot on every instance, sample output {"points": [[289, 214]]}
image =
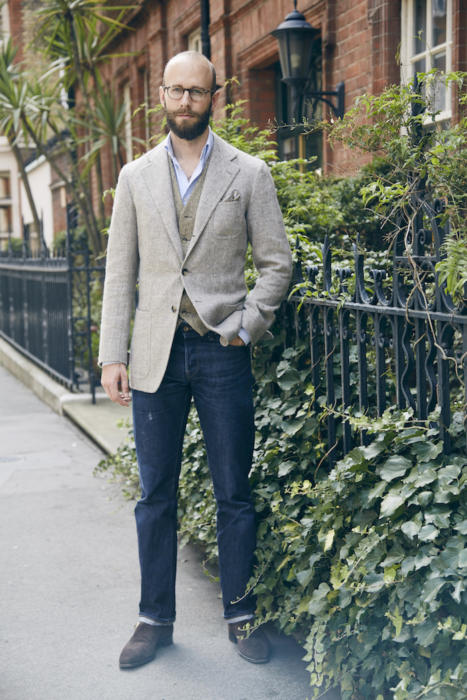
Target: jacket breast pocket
{"points": [[140, 344], [229, 219]]}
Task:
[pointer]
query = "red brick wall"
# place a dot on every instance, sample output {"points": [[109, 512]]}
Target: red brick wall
{"points": [[15, 11], [360, 39]]}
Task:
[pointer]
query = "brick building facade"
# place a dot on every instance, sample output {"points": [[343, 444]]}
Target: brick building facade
{"points": [[363, 44], [368, 44]]}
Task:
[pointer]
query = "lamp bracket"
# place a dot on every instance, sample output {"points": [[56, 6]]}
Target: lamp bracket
{"points": [[338, 93]]}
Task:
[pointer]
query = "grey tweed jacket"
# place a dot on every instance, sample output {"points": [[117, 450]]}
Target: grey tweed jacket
{"points": [[238, 205]]}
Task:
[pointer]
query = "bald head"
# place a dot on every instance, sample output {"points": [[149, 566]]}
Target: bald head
{"points": [[189, 59]]}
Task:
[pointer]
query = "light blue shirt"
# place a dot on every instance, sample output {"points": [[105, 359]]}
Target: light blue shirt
{"points": [[186, 185]]}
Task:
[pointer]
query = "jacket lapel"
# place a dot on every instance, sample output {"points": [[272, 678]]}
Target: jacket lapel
{"points": [[156, 175], [222, 168]]}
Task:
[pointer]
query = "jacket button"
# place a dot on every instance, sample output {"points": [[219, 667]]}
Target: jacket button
{"points": [[174, 309], [184, 271]]}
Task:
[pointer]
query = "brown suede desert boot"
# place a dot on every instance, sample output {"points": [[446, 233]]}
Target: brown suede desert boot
{"points": [[252, 646], [142, 646]]}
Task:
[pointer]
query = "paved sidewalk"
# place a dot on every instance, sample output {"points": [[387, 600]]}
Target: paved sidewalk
{"points": [[69, 583]]}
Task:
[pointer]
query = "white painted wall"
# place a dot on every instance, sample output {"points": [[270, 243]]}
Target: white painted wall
{"points": [[39, 176], [8, 166]]}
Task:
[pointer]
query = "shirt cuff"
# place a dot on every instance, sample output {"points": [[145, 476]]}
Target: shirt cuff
{"points": [[244, 335]]}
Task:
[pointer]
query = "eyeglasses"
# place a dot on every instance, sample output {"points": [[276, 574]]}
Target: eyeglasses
{"points": [[176, 92]]}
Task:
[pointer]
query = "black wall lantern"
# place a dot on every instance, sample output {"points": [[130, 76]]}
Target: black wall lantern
{"points": [[296, 39]]}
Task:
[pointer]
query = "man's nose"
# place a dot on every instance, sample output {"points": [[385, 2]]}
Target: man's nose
{"points": [[185, 97]]}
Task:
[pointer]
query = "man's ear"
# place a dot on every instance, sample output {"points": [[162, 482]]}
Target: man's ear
{"points": [[162, 96], [215, 97]]}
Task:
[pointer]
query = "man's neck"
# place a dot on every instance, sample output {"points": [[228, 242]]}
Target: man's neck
{"points": [[188, 151]]}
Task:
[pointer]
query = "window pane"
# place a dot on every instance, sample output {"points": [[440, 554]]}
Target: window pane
{"points": [[5, 219], [439, 87], [4, 185], [438, 9], [419, 66], [419, 24]]}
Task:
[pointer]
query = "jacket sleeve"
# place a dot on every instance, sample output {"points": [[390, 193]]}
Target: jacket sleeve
{"points": [[271, 256], [120, 275]]}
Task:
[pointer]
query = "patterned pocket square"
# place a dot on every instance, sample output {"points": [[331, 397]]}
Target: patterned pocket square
{"points": [[234, 196]]}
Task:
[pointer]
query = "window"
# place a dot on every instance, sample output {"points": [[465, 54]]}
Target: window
{"points": [[128, 117], [291, 143], [194, 41], [144, 120], [4, 22], [426, 45], [5, 206]]}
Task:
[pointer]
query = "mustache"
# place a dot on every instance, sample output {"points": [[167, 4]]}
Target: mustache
{"points": [[185, 111]]}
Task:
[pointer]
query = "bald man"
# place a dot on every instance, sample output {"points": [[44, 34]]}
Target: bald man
{"points": [[183, 216]]}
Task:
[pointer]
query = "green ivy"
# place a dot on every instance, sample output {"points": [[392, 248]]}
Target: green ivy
{"points": [[364, 564]]}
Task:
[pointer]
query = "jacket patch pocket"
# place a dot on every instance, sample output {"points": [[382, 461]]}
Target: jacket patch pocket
{"points": [[229, 218], [140, 344]]}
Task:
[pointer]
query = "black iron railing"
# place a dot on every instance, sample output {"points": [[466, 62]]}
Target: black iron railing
{"points": [[49, 308], [379, 338]]}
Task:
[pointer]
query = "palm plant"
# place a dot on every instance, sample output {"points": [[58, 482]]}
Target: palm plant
{"points": [[74, 36], [14, 93]]}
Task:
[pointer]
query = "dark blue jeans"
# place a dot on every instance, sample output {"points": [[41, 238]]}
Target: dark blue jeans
{"points": [[220, 381]]}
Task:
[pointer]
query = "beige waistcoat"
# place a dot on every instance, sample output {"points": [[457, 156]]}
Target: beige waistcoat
{"points": [[186, 214]]}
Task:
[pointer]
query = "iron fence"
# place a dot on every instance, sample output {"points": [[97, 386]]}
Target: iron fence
{"points": [[47, 310], [379, 338]]}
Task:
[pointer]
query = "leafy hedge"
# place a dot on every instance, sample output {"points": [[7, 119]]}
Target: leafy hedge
{"points": [[366, 565]]}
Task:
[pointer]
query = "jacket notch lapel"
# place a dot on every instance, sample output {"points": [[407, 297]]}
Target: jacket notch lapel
{"points": [[157, 178], [222, 169]]}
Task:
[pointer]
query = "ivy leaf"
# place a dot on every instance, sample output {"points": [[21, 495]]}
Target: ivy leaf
{"points": [[462, 558], [285, 468], [304, 577], [394, 467], [375, 583], [372, 450], [423, 498], [390, 504], [329, 540], [407, 566], [461, 527], [428, 533], [458, 589], [288, 379], [431, 589], [426, 450], [422, 560], [426, 633], [449, 473], [410, 528], [376, 492], [345, 597], [318, 600], [422, 476]]}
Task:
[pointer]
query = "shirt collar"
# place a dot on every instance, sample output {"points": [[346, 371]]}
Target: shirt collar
{"points": [[204, 153]]}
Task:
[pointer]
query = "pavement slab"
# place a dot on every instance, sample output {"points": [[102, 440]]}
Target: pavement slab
{"points": [[69, 583]]}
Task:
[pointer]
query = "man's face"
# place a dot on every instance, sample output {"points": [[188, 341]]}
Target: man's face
{"points": [[187, 118]]}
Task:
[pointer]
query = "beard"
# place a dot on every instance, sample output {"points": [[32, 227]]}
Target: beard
{"points": [[189, 131]]}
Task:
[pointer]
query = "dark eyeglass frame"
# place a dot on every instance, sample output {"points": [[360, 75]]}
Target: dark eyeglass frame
{"points": [[195, 93]]}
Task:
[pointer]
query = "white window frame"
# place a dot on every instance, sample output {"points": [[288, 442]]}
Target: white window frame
{"points": [[194, 41], [128, 118], [4, 22], [408, 58], [6, 203]]}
